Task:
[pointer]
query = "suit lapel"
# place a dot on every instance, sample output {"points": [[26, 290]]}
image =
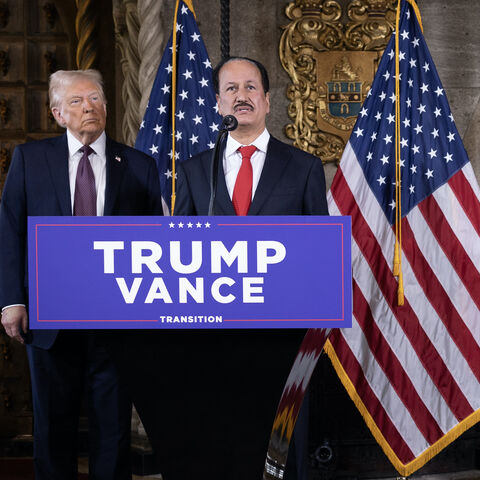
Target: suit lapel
{"points": [[57, 161], [276, 160], [223, 204], [116, 164]]}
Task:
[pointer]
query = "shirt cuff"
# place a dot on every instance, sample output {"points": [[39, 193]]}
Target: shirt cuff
{"points": [[13, 305]]}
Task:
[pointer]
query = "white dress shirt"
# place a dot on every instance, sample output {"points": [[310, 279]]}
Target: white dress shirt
{"points": [[232, 160], [98, 161]]}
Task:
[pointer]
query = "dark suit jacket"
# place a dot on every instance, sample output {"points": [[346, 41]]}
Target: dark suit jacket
{"points": [[292, 183], [234, 378], [38, 184]]}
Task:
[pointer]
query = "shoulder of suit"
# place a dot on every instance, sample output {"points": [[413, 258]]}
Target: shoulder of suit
{"points": [[43, 143], [198, 159], [121, 149], [294, 151]]}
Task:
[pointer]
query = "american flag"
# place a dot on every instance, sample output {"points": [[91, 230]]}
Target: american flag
{"points": [[413, 370], [196, 114]]}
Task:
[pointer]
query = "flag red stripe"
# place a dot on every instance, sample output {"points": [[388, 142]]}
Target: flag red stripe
{"points": [[406, 317], [392, 367], [467, 199], [440, 301], [453, 249], [354, 371]]}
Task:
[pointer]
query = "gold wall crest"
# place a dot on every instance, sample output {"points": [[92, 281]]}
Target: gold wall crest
{"points": [[331, 63]]}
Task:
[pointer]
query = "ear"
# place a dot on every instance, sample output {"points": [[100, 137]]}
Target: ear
{"points": [[267, 99], [217, 96], [58, 116]]}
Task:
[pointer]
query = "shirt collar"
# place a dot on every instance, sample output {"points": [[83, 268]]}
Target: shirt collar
{"points": [[74, 144], [261, 142]]}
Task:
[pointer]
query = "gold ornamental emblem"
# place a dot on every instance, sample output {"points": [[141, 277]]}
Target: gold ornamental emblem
{"points": [[331, 66]]}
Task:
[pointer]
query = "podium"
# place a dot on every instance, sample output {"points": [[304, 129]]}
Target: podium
{"points": [[203, 317]]}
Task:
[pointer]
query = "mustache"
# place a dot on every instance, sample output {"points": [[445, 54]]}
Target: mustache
{"points": [[242, 104]]}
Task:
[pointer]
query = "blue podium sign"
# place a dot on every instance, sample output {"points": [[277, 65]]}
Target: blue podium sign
{"points": [[189, 272]]}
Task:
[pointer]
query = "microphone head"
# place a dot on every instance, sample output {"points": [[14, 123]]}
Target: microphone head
{"points": [[229, 123]]}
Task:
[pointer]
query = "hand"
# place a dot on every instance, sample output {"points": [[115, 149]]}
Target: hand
{"points": [[15, 321]]}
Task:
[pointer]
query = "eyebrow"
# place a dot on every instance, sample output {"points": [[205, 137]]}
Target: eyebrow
{"points": [[236, 82], [77, 95]]}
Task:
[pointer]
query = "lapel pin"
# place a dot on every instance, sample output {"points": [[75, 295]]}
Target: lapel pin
{"points": [[118, 159]]}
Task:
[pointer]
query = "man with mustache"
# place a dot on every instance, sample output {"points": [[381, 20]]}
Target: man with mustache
{"points": [[82, 172], [238, 376]]}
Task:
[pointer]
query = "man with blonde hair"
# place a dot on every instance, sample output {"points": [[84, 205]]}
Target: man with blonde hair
{"points": [[82, 172]]}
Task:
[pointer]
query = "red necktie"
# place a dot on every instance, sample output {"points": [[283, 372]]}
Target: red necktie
{"points": [[242, 193], [85, 200]]}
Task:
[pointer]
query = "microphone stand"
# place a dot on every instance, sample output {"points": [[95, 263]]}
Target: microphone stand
{"points": [[229, 123]]}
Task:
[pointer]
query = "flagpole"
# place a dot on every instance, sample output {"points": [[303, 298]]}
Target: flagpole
{"points": [[174, 94], [397, 261]]}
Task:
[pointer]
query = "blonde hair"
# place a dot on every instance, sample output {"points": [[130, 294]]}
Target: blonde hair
{"points": [[62, 79]]}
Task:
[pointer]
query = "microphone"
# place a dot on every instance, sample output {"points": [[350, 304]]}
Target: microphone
{"points": [[229, 123]]}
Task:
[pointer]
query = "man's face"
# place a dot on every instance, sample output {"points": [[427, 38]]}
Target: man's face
{"points": [[82, 111], [241, 94]]}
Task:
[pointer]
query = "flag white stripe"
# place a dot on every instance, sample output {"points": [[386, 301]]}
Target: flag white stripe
{"points": [[368, 203], [393, 406], [426, 315], [395, 337], [472, 179], [445, 274], [456, 217], [373, 215]]}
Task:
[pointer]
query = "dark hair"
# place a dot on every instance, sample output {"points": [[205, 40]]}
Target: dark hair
{"points": [[261, 69]]}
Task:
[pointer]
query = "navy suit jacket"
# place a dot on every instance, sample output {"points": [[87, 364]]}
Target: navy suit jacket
{"points": [[292, 182], [38, 184]]}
